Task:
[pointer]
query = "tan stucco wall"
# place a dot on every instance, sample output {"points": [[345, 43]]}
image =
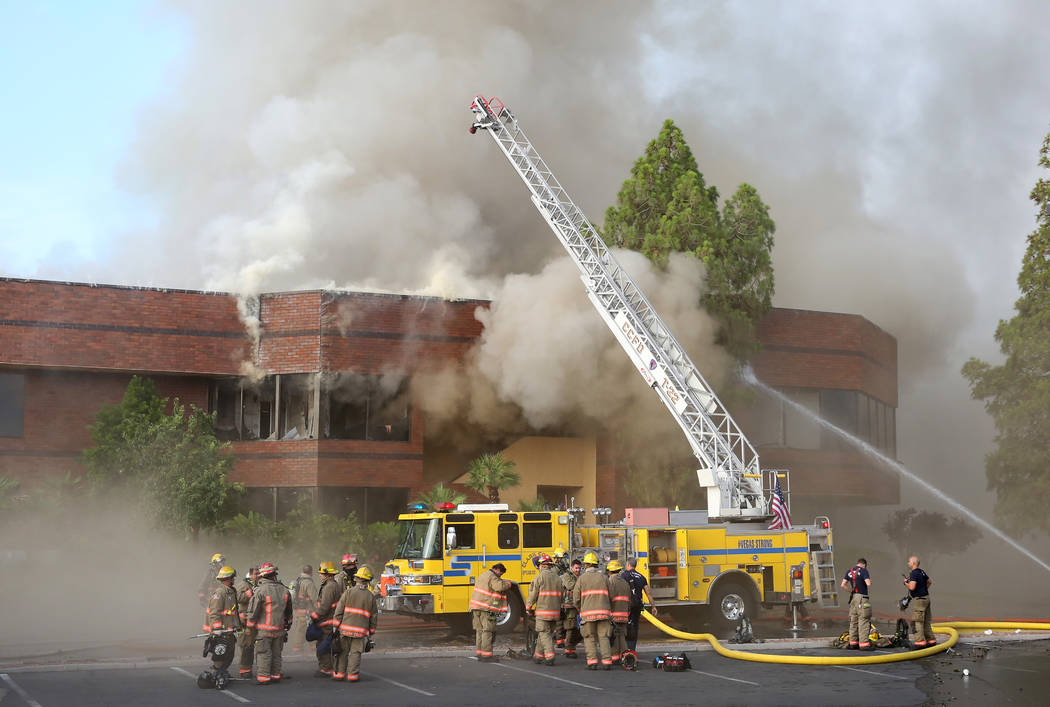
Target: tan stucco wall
{"points": [[552, 461]]}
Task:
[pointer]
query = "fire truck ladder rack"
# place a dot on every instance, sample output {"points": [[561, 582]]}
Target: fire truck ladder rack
{"points": [[729, 467], [824, 567]]}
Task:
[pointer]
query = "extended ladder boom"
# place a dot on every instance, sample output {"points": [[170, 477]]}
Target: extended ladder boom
{"points": [[729, 464]]}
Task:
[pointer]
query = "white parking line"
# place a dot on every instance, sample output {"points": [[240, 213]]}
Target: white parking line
{"points": [[1020, 670], [549, 677], [18, 688], [229, 693], [724, 677], [872, 672], [400, 684]]}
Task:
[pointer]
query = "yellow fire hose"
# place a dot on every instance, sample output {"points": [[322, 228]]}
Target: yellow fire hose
{"points": [[948, 628]]}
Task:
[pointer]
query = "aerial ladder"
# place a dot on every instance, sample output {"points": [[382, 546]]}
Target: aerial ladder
{"points": [[729, 467]]}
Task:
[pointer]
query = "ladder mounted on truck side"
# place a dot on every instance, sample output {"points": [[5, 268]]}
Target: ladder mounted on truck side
{"points": [[729, 468]]}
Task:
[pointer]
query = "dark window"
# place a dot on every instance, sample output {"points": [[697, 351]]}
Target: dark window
{"points": [[800, 430], [464, 535], [537, 516], [507, 536], [12, 404], [864, 417], [891, 440], [367, 407], [459, 518], [537, 534], [511, 517], [839, 407]]}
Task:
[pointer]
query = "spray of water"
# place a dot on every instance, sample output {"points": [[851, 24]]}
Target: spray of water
{"points": [[749, 377]]}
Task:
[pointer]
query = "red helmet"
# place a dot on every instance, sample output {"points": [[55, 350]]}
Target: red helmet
{"points": [[545, 559], [349, 559], [267, 569]]}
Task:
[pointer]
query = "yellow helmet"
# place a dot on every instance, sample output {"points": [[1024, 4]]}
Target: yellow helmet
{"points": [[217, 559], [226, 572], [363, 573], [328, 568], [590, 559], [559, 553], [614, 566]]}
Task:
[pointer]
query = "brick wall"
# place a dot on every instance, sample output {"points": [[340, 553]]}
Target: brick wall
{"points": [[291, 341]]}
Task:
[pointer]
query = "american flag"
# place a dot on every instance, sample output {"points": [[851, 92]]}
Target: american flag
{"points": [[781, 519]]}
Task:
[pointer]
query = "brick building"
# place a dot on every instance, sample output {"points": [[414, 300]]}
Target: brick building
{"points": [[324, 410]]}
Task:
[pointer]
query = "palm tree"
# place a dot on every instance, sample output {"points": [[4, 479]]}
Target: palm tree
{"points": [[491, 473], [439, 493], [537, 504]]}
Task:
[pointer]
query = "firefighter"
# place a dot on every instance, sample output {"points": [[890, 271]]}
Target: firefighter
{"points": [[591, 596], [355, 616], [324, 616], [304, 597], [208, 585], [918, 584], [545, 599], [346, 577], [488, 599], [639, 592], [570, 624], [620, 609], [857, 580], [222, 616], [270, 614], [561, 567], [246, 641]]}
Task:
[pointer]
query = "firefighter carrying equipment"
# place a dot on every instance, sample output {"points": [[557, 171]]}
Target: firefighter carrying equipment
{"points": [[950, 628], [904, 601], [226, 572], [328, 568], [590, 559], [364, 573]]}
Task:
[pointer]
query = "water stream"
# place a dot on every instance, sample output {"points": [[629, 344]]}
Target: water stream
{"points": [[750, 379]]}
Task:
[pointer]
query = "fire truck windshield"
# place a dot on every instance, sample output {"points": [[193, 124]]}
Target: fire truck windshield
{"points": [[420, 539]]}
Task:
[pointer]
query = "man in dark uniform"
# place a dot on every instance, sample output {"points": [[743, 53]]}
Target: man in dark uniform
{"points": [[918, 584], [639, 589], [857, 580]]}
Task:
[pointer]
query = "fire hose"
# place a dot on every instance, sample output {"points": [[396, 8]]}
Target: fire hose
{"points": [[947, 628]]}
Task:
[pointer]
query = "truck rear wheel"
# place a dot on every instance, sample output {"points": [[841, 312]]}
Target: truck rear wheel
{"points": [[509, 620], [730, 602]]}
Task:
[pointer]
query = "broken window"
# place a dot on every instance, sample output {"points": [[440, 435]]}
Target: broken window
{"points": [[12, 404], [367, 407]]}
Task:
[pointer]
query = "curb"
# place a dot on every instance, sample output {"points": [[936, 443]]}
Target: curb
{"points": [[774, 644]]}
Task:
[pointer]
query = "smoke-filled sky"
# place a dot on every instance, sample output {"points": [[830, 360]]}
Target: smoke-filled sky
{"points": [[274, 145]]}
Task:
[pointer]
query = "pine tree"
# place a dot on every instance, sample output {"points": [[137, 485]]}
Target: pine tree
{"points": [[1017, 393]]}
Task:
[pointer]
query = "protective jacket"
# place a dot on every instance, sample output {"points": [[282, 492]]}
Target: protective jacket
{"points": [[545, 595], [305, 594], [222, 609], [591, 595], [270, 608], [489, 592], [324, 607], [244, 590], [355, 614], [208, 584], [619, 599], [568, 581], [345, 578]]}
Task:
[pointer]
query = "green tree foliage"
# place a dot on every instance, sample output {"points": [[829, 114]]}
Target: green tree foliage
{"points": [[666, 206], [439, 493], [536, 504], [1017, 393], [490, 474], [927, 533], [174, 458]]}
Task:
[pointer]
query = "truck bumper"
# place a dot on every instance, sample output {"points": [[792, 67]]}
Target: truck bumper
{"points": [[412, 604]]}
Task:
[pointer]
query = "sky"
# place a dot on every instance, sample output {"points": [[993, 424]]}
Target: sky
{"points": [[269, 145]]}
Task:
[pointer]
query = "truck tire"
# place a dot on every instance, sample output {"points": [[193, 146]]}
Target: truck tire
{"points": [[509, 620], [730, 601]]}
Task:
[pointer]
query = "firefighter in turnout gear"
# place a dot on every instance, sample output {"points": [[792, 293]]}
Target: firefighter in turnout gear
{"points": [[486, 601], [545, 598], [208, 585], [355, 616], [857, 581], [346, 577], [270, 614], [569, 611], [323, 615], [591, 595], [620, 608], [246, 641], [304, 597], [918, 584], [222, 614]]}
